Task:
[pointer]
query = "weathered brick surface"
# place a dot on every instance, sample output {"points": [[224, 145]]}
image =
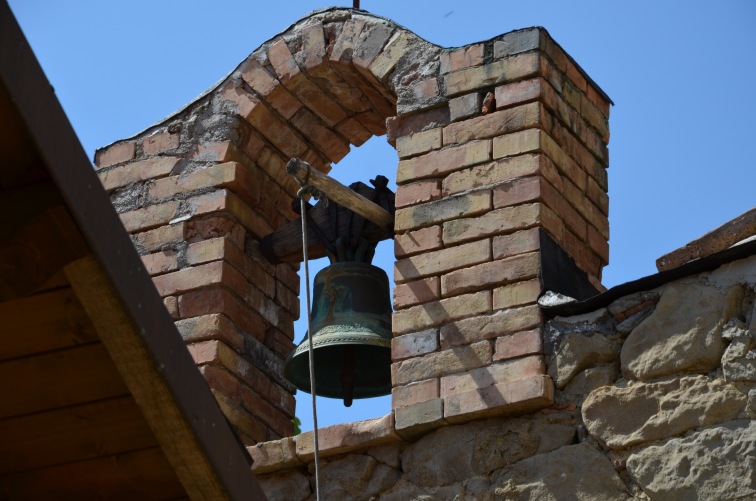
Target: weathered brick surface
{"points": [[492, 223], [160, 142], [517, 294], [160, 262], [413, 242], [209, 327], [416, 292], [499, 372], [412, 393], [273, 456], [519, 41], [419, 418], [418, 192], [486, 275], [148, 217], [515, 243], [421, 142], [414, 344], [153, 240], [437, 312], [489, 326], [134, 172], [506, 70], [115, 154], [518, 344], [344, 438], [231, 175], [427, 214], [495, 124], [442, 363], [507, 398], [441, 261], [461, 58], [465, 106], [497, 172], [385, 62], [442, 162]]}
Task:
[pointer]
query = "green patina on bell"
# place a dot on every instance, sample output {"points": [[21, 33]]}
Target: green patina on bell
{"points": [[351, 321]]}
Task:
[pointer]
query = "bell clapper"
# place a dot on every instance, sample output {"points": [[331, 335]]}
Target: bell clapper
{"points": [[348, 376]]}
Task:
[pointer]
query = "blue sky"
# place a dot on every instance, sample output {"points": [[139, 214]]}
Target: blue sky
{"points": [[680, 73]]}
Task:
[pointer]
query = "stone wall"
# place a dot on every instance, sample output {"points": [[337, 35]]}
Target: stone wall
{"points": [[655, 399]]}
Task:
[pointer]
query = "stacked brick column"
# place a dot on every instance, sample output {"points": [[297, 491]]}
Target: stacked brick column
{"points": [[519, 149], [502, 144]]}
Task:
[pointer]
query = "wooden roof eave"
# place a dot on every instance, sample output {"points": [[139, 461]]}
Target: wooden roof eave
{"points": [[119, 296]]}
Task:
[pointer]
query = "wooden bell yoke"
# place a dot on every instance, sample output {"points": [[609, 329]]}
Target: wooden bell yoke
{"points": [[346, 215]]}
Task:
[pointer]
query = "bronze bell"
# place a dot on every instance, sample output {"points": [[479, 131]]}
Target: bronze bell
{"points": [[351, 321]]}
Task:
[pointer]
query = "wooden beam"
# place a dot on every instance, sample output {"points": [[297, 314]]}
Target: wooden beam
{"points": [[340, 194], [285, 244], [725, 236], [145, 381]]}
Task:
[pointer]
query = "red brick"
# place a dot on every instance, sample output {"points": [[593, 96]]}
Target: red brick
{"points": [[208, 327], [497, 172], [598, 244], [271, 89], [476, 379], [136, 171], [465, 106], [219, 300], [148, 217], [413, 242], [160, 262], [421, 142], [353, 130], [504, 70], [412, 393], [418, 192], [218, 152], [160, 142], [274, 418], [274, 456], [437, 312], [492, 223], [518, 344], [518, 92], [485, 275], [295, 81], [223, 201], [414, 344], [437, 211], [321, 136], [343, 438], [506, 121], [441, 261], [343, 46], [287, 299], [171, 304], [512, 397], [489, 326], [231, 175], [519, 242], [420, 418], [156, 239], [439, 163], [517, 294], [115, 154], [204, 352], [424, 89], [441, 363], [373, 122], [313, 51], [214, 227], [189, 278], [406, 125], [461, 58], [415, 292], [386, 61]]}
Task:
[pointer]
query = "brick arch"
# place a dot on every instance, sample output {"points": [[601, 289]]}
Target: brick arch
{"points": [[328, 82]]}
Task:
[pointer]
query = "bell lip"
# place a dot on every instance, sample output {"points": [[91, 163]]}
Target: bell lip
{"points": [[365, 337]]}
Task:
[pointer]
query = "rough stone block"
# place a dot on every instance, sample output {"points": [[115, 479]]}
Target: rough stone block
{"points": [[347, 437], [509, 398], [441, 261]]}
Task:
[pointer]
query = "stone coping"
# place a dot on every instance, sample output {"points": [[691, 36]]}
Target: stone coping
{"points": [[333, 440]]}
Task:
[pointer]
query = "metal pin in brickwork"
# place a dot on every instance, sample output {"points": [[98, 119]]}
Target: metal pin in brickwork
{"points": [[356, 4]]}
